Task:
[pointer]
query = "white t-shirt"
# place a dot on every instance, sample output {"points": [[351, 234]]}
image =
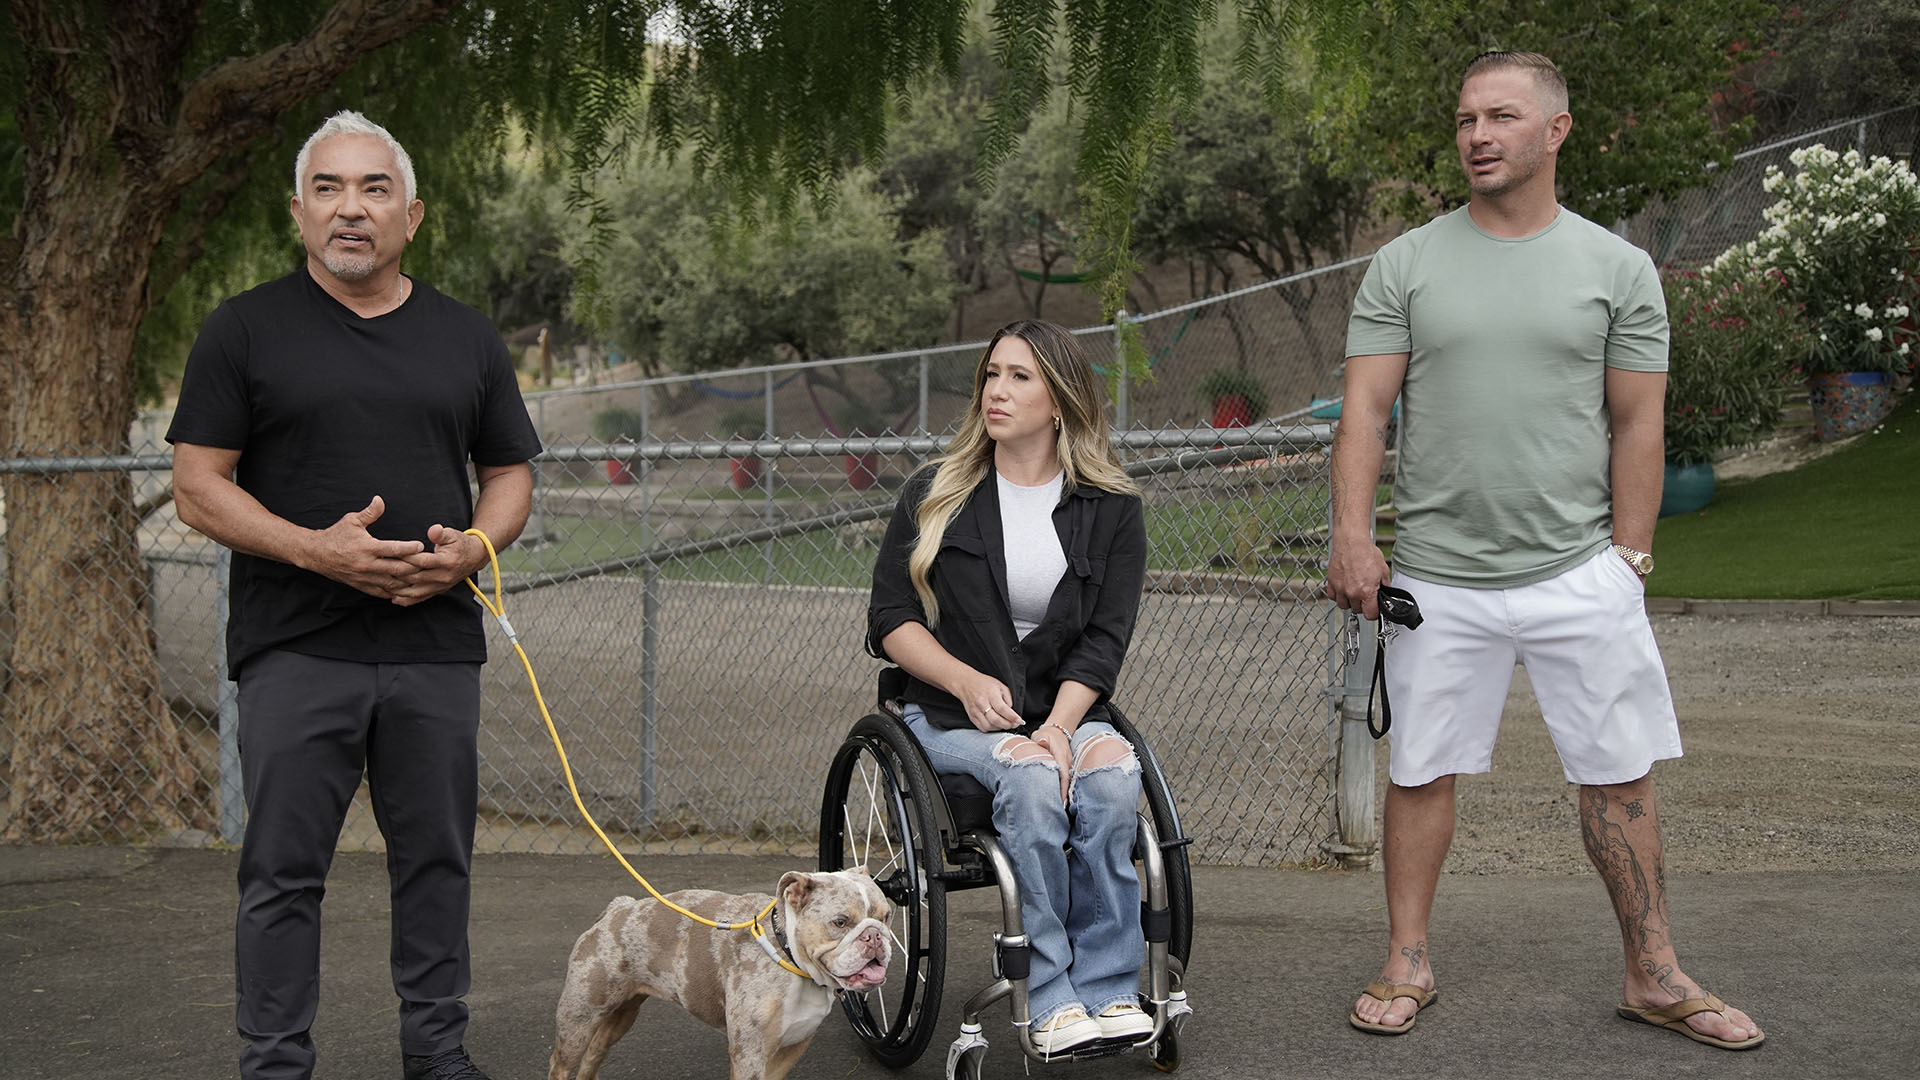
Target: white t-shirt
{"points": [[1035, 561]]}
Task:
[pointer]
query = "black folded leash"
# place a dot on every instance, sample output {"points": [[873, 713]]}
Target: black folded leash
{"points": [[1396, 606]]}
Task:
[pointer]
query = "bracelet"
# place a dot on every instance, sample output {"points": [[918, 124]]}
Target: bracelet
{"points": [[1059, 729]]}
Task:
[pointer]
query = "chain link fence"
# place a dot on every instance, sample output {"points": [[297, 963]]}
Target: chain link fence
{"points": [[692, 585], [1695, 226]]}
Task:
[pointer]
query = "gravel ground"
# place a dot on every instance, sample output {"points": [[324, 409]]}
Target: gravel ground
{"points": [[1802, 753]]}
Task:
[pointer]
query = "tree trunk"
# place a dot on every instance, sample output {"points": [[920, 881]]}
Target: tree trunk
{"points": [[112, 137], [96, 754]]}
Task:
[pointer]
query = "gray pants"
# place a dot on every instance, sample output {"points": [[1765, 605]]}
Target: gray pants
{"points": [[309, 728]]}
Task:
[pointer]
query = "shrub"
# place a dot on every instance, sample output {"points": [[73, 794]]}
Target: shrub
{"points": [[741, 422], [1733, 339], [1224, 382], [613, 424], [1842, 236]]}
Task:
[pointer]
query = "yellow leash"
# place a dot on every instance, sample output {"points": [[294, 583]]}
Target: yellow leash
{"points": [[498, 608]]}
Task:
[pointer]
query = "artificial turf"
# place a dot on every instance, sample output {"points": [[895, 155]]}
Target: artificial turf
{"points": [[1845, 526]]}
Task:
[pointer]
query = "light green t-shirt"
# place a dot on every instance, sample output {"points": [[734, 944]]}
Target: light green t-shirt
{"points": [[1503, 477]]}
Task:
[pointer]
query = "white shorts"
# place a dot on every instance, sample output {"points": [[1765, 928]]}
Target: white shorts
{"points": [[1588, 648]]}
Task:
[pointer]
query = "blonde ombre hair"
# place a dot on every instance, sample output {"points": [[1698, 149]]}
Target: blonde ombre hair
{"points": [[1082, 443]]}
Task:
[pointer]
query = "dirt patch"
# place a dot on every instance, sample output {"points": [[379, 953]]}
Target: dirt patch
{"points": [[1802, 752]]}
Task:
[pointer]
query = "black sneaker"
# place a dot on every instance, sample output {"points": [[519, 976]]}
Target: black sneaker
{"points": [[451, 1064]]}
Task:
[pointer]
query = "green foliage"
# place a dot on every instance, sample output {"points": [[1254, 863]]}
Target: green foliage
{"points": [[767, 100], [1820, 60], [1247, 179], [741, 422], [1641, 77], [1732, 339], [837, 281], [487, 64], [858, 415], [1033, 212], [1844, 237], [933, 141], [610, 425], [1232, 382]]}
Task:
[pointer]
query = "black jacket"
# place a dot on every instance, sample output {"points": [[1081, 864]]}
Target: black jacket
{"points": [[1088, 623]]}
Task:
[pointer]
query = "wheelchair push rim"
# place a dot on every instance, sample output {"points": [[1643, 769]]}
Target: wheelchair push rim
{"points": [[876, 803]]}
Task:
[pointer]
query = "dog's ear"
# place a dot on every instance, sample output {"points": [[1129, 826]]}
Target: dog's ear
{"points": [[794, 887]]}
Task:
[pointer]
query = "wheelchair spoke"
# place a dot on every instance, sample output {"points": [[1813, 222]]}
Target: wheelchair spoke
{"points": [[877, 810]]}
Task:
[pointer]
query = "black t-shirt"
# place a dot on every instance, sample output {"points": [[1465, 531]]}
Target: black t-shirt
{"points": [[329, 409]]}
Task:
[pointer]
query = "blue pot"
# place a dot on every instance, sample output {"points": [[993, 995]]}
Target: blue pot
{"points": [[1688, 488], [1848, 403]]}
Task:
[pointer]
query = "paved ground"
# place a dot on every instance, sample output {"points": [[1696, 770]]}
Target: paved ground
{"points": [[116, 963]]}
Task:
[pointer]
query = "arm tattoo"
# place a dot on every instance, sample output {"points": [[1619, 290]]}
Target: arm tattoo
{"points": [[1634, 810]]}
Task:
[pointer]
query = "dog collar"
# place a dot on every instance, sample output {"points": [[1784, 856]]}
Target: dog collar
{"points": [[781, 954]]}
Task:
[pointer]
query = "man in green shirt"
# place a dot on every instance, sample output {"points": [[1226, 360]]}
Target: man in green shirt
{"points": [[1529, 347]]}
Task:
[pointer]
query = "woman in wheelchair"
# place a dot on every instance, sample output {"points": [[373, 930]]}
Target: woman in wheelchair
{"points": [[1007, 588]]}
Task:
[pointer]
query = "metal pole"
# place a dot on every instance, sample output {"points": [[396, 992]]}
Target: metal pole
{"points": [[645, 466], [766, 486], [1354, 641], [233, 803], [923, 394], [649, 683], [1122, 407], [1359, 839], [540, 489]]}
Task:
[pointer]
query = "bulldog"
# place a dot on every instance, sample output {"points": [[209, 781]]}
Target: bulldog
{"points": [[835, 929]]}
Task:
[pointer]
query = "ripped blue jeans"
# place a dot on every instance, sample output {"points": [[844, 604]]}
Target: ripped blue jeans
{"points": [[1079, 893]]}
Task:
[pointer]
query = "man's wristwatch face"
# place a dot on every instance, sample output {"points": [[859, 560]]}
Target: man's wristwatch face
{"points": [[1641, 561]]}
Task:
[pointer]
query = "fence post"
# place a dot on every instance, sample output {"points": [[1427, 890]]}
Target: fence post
{"points": [[1121, 405], [766, 487], [232, 793], [1352, 647], [645, 467], [649, 682], [1359, 839], [540, 489], [923, 393]]}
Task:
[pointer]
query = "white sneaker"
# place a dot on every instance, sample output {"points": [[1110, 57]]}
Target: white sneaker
{"points": [[1124, 1020], [1066, 1029]]}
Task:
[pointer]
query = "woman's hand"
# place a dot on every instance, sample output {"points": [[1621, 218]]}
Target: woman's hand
{"points": [[988, 702], [1056, 741]]}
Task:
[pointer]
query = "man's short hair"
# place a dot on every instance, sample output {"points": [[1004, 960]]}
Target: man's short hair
{"points": [[1546, 75], [348, 122]]}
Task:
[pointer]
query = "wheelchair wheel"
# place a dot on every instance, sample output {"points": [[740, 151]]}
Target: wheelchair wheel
{"points": [[879, 814], [1173, 841]]}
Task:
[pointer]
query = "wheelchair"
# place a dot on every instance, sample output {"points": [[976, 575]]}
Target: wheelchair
{"points": [[923, 836]]}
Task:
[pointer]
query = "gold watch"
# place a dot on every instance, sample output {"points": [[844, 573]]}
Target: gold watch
{"points": [[1641, 561]]}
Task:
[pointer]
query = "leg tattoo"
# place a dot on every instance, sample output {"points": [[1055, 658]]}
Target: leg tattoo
{"points": [[1640, 903], [1415, 955], [1663, 974]]}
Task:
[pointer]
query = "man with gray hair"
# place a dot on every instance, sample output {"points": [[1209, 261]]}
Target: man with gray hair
{"points": [[325, 426], [1528, 347]]}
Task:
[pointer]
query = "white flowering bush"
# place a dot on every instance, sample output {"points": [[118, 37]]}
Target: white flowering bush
{"points": [[1844, 237]]}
